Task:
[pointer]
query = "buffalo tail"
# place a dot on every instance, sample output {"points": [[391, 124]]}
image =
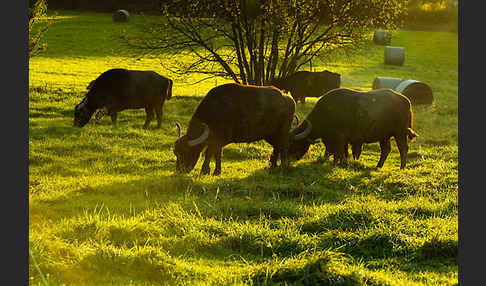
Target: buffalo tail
{"points": [[411, 134]]}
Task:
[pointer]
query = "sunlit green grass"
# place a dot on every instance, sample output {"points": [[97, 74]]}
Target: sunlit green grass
{"points": [[107, 208]]}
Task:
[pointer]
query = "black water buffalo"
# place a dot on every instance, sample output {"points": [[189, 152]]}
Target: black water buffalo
{"points": [[345, 116], [233, 113], [304, 84], [119, 89]]}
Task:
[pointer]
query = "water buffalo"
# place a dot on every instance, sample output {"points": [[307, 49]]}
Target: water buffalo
{"points": [[119, 89], [304, 84], [345, 116], [233, 113]]}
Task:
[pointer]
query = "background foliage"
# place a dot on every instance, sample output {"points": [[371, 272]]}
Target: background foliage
{"points": [[38, 25], [256, 42]]}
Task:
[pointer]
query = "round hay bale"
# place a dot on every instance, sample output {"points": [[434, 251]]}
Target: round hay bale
{"points": [[418, 92], [382, 37], [121, 16], [386, 82], [394, 55]]}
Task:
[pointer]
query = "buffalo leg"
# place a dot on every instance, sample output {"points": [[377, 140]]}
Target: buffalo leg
{"points": [[284, 160], [205, 169], [273, 158], [212, 151], [274, 155], [339, 150], [158, 112], [328, 153], [356, 150], [283, 143], [344, 154], [150, 115], [217, 167], [113, 116], [385, 147], [403, 149], [280, 144]]}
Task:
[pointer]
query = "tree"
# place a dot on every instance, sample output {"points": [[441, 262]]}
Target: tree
{"points": [[255, 42], [37, 27]]}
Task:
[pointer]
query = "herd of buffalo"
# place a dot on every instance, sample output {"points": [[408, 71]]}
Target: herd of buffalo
{"points": [[232, 113]]}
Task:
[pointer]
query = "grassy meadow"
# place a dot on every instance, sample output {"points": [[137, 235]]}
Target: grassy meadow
{"points": [[107, 208]]}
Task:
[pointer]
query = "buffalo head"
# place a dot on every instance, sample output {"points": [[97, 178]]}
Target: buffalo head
{"points": [[332, 80], [299, 140], [82, 113], [188, 150]]}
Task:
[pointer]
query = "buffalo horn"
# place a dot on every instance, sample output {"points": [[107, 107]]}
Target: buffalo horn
{"points": [[201, 138], [306, 131], [178, 130], [296, 119], [82, 103]]}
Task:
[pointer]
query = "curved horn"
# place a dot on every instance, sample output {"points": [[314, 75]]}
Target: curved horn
{"points": [[178, 130], [201, 138], [82, 103], [304, 133], [296, 119]]}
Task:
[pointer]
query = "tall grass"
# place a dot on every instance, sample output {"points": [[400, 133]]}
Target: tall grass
{"points": [[107, 208]]}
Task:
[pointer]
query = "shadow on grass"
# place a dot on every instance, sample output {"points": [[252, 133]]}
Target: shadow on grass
{"points": [[50, 112], [262, 189]]}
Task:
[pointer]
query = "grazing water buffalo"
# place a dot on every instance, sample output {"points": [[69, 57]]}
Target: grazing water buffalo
{"points": [[304, 84], [233, 113], [119, 89], [344, 116]]}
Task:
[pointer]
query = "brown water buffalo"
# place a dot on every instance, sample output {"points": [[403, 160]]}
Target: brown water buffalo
{"points": [[345, 116], [232, 113], [119, 89], [304, 84]]}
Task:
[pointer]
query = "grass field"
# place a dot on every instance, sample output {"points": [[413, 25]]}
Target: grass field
{"points": [[107, 208]]}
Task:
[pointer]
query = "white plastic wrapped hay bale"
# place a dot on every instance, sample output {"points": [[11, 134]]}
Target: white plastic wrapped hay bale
{"points": [[394, 55], [382, 37], [417, 91], [386, 82], [121, 16]]}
